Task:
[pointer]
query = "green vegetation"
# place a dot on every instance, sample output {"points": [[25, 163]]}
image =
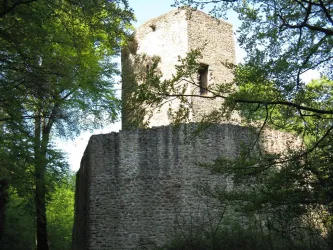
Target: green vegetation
{"points": [[20, 219], [244, 234], [292, 194], [60, 214], [56, 79], [56, 74]]}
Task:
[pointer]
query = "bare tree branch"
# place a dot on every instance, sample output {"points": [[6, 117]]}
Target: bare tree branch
{"points": [[261, 102]]}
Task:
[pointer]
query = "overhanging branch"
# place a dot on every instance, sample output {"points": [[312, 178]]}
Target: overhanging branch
{"points": [[7, 9], [285, 103], [259, 102]]}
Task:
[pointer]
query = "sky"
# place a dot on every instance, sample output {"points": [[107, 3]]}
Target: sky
{"points": [[143, 10], [147, 9]]}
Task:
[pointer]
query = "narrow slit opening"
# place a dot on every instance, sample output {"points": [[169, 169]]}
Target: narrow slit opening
{"points": [[203, 78]]}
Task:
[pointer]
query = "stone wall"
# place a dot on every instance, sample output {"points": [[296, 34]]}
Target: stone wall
{"points": [[168, 37], [164, 37], [138, 187], [215, 36]]}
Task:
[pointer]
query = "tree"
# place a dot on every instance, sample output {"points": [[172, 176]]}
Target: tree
{"points": [[56, 78], [19, 223], [60, 214], [20, 220], [283, 40]]}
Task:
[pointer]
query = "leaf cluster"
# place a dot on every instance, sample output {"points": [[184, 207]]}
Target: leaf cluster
{"points": [[56, 77]]}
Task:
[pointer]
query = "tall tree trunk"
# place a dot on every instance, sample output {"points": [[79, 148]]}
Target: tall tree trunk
{"points": [[40, 166], [3, 202]]}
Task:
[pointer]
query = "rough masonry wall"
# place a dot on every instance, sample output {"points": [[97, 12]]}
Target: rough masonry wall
{"points": [[168, 37], [215, 37], [138, 187], [164, 37]]}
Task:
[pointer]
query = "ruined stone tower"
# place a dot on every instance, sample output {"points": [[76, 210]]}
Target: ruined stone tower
{"points": [[168, 37], [138, 189]]}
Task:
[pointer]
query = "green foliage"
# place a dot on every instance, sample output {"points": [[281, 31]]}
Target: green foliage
{"points": [[56, 78], [19, 231], [61, 55], [135, 98], [292, 192], [153, 92], [251, 232], [60, 215]]}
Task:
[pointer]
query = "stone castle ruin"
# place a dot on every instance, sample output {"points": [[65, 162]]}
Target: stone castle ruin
{"points": [[138, 188], [168, 37]]}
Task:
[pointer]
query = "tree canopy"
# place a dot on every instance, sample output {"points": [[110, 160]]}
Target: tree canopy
{"points": [[56, 77]]}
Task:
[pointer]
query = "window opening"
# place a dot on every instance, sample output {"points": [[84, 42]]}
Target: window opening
{"points": [[203, 78]]}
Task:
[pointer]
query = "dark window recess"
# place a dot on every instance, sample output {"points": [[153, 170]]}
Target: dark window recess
{"points": [[203, 78]]}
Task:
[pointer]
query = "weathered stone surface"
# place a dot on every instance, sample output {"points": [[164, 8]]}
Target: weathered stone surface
{"points": [[168, 37], [139, 186]]}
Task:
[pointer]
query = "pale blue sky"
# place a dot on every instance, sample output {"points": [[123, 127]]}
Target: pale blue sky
{"points": [[147, 9]]}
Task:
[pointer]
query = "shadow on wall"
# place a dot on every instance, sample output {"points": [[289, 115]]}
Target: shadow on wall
{"points": [[136, 69]]}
